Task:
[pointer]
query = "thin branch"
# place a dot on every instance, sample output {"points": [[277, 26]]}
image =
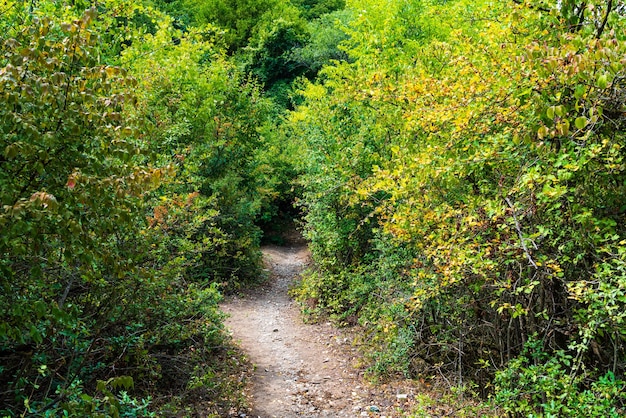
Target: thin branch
{"points": [[581, 17], [66, 292], [519, 232], [609, 7]]}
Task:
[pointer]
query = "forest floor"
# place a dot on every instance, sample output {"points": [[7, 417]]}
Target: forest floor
{"points": [[300, 369]]}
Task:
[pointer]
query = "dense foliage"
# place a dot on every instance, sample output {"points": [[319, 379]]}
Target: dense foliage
{"points": [[460, 167], [131, 176], [464, 182]]}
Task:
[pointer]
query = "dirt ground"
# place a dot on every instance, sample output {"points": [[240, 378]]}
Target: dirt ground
{"points": [[302, 370]]}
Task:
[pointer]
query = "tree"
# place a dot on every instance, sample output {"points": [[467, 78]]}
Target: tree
{"points": [[461, 191], [92, 302]]}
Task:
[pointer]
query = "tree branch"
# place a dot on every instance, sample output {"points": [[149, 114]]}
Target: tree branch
{"points": [[609, 7], [519, 232]]}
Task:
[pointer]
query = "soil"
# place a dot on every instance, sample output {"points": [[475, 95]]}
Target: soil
{"points": [[300, 369]]}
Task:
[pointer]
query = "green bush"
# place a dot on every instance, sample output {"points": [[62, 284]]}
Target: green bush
{"points": [[208, 117], [459, 202], [541, 384], [110, 263], [313, 9]]}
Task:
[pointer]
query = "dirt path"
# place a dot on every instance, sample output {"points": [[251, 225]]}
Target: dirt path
{"points": [[302, 370]]}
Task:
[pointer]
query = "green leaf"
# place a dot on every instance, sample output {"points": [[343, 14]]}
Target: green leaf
{"points": [[579, 91], [602, 81], [580, 122], [35, 335], [86, 397], [559, 110], [11, 151]]}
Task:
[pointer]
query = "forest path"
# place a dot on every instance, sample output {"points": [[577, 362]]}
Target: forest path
{"points": [[301, 370]]}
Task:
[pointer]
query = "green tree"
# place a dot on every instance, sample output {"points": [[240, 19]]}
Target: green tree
{"points": [[237, 18], [91, 299], [313, 9], [70, 187], [462, 187], [208, 117], [326, 36]]}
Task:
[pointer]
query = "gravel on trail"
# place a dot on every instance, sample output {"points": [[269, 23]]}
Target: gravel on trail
{"points": [[302, 370]]}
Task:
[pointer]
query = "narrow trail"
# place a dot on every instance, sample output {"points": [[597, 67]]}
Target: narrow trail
{"points": [[301, 370]]}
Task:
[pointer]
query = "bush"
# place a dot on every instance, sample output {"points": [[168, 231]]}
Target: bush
{"points": [[541, 384], [110, 267], [477, 195]]}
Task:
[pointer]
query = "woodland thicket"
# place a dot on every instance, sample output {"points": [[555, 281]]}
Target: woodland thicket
{"points": [[464, 196], [458, 167], [132, 176]]}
